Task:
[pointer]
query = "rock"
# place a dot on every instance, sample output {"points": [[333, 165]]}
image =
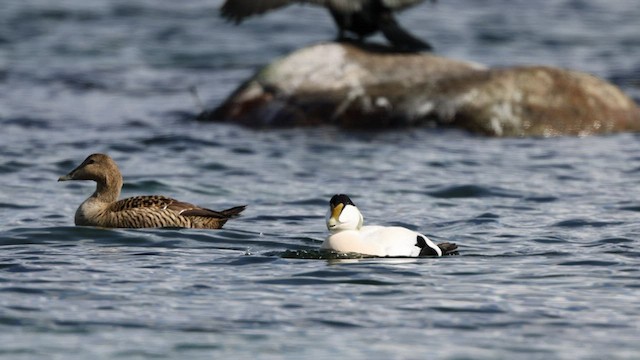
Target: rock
{"points": [[535, 101], [357, 87]]}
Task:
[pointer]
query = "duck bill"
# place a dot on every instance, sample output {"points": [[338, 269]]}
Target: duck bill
{"points": [[69, 176], [73, 174], [335, 215]]}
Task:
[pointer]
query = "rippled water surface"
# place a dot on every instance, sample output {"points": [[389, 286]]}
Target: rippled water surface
{"points": [[547, 228]]}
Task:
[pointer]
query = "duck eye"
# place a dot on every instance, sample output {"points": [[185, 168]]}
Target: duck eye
{"points": [[91, 161]]}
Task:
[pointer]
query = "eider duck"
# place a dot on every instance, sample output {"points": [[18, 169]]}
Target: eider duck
{"points": [[103, 209], [348, 235], [356, 17]]}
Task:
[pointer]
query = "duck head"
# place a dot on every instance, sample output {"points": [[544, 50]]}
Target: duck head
{"points": [[104, 171], [343, 214], [95, 167]]}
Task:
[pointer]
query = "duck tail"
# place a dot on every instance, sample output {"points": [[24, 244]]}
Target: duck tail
{"points": [[448, 248], [234, 211]]}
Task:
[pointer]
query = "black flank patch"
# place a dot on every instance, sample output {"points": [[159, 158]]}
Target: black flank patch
{"points": [[424, 249]]}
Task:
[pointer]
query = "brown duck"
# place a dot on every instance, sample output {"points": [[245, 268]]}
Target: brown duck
{"points": [[103, 208]]}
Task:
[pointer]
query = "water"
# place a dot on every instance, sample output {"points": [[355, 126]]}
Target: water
{"points": [[547, 228]]}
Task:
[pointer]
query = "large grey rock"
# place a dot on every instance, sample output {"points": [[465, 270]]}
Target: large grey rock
{"points": [[351, 86]]}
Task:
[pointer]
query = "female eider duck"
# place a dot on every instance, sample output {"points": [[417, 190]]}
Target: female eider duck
{"points": [[103, 208], [348, 235], [358, 17]]}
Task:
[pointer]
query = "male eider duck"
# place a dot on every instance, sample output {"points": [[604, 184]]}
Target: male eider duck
{"points": [[103, 208], [348, 235], [358, 17]]}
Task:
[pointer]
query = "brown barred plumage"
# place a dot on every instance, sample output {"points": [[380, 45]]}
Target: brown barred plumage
{"points": [[105, 210]]}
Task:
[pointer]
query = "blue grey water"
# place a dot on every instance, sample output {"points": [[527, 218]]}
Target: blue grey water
{"points": [[548, 228]]}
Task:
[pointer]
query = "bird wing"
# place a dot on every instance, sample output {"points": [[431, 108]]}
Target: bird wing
{"points": [[186, 209], [139, 202], [351, 6], [344, 6], [238, 10], [400, 4], [166, 203]]}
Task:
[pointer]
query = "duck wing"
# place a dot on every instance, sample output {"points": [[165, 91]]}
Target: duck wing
{"points": [[141, 202], [159, 202], [234, 211], [161, 212], [186, 209]]}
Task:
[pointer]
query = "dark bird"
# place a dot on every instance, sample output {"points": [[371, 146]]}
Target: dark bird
{"points": [[359, 18], [103, 208]]}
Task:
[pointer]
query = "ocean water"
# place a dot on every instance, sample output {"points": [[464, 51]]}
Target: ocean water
{"points": [[547, 227]]}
